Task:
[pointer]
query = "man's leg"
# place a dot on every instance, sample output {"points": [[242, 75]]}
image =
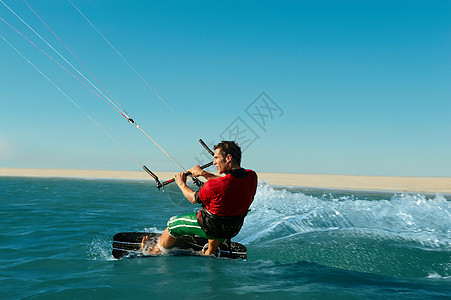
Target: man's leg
{"points": [[165, 241], [212, 246], [181, 225]]}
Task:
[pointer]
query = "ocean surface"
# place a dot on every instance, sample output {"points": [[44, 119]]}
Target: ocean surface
{"points": [[55, 243]]}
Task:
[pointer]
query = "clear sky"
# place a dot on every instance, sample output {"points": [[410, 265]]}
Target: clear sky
{"points": [[350, 87]]}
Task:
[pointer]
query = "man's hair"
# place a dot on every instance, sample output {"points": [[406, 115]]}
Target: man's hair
{"points": [[232, 148]]}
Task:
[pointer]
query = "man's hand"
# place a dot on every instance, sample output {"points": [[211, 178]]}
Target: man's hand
{"points": [[180, 179], [197, 171]]}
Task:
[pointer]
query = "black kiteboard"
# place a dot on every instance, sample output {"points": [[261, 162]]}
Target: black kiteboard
{"points": [[129, 244]]}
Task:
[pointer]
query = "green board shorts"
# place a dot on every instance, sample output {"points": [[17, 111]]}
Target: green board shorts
{"points": [[186, 224]]}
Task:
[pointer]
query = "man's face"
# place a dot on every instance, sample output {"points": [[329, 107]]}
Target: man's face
{"points": [[220, 162]]}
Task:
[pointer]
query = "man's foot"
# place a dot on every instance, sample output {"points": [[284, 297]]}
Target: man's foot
{"points": [[144, 241], [156, 249], [149, 247]]}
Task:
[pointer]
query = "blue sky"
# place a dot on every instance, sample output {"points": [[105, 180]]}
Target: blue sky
{"points": [[355, 87]]}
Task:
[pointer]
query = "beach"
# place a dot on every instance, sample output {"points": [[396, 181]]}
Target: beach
{"points": [[335, 182]]}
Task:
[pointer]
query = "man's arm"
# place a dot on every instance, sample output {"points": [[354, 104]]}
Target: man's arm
{"points": [[180, 179]]}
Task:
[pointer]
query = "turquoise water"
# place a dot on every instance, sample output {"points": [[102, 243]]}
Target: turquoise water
{"points": [[55, 243]]}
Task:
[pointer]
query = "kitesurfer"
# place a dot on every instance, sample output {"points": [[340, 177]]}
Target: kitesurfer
{"points": [[225, 201]]}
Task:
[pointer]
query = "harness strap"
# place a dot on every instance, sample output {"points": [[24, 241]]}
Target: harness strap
{"points": [[219, 226]]}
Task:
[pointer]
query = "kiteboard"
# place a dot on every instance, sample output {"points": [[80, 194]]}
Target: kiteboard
{"points": [[130, 245]]}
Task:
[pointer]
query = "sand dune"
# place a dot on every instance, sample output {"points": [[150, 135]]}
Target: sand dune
{"points": [[339, 182]]}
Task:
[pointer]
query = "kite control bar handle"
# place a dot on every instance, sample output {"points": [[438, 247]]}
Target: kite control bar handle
{"points": [[153, 176], [206, 147], [197, 181], [160, 185]]}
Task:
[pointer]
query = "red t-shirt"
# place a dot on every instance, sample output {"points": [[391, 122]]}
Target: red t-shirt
{"points": [[229, 195]]}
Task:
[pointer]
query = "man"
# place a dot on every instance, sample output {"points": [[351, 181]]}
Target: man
{"points": [[225, 201]]}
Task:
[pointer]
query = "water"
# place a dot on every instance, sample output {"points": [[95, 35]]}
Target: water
{"points": [[55, 242]]}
